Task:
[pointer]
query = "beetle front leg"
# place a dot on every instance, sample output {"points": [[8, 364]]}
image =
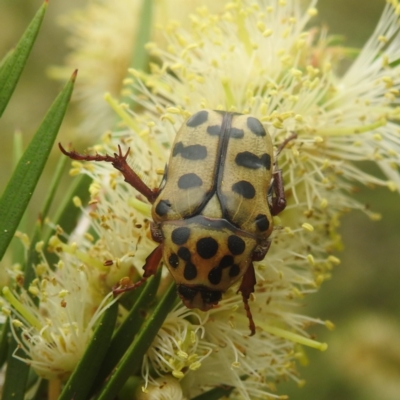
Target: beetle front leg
{"points": [[279, 200], [119, 162], [247, 288], [150, 268]]}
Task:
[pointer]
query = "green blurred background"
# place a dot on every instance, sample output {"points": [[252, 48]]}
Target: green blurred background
{"points": [[362, 299]]}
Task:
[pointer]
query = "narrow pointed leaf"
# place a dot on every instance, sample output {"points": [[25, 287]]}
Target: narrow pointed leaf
{"points": [[67, 213], [81, 380], [16, 374], [5, 329], [26, 175], [32, 258], [132, 360], [140, 56], [123, 337], [14, 63], [215, 394], [17, 248]]}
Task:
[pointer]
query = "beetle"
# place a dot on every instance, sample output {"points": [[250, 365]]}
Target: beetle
{"points": [[212, 213]]}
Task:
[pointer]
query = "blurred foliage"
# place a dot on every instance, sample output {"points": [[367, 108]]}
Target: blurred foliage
{"points": [[363, 360]]}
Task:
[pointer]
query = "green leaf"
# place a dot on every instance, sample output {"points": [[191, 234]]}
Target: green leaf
{"points": [[123, 337], [81, 380], [67, 214], [5, 329], [25, 177], [17, 248], [13, 65], [33, 256], [140, 56], [16, 374], [215, 394], [132, 360]]}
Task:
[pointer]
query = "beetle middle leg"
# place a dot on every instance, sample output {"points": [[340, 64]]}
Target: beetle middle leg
{"points": [[150, 268], [119, 162]]}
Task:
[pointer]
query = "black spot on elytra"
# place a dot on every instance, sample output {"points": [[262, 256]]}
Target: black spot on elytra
{"points": [[215, 275], [235, 133], [180, 235], [211, 297], [191, 152], [190, 271], [187, 292], [190, 180], [163, 207], [266, 161], [173, 260], [262, 222], [197, 119], [255, 126], [184, 253], [234, 271], [250, 160], [244, 189], [207, 247], [214, 130], [236, 245], [225, 262]]}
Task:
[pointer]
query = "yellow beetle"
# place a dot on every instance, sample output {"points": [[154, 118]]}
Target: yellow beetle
{"points": [[212, 211]]}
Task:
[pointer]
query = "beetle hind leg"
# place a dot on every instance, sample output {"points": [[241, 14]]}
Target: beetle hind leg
{"points": [[150, 268], [246, 288]]}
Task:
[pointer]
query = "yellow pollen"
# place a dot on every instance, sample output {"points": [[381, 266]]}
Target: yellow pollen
{"points": [[6, 311], [178, 374], [268, 32], [77, 202], [236, 364], [33, 290], [182, 354], [392, 186], [39, 246], [195, 366], [17, 323], [312, 12], [330, 325], [308, 227], [383, 39], [334, 260], [310, 259], [324, 203]]}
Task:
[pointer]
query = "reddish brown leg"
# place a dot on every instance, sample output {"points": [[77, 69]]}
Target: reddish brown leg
{"points": [[119, 163], [279, 200], [261, 251], [247, 288], [150, 268]]}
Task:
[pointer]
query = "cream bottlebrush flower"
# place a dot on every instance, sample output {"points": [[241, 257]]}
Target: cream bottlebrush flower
{"points": [[257, 58], [102, 42], [56, 316], [165, 388]]}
